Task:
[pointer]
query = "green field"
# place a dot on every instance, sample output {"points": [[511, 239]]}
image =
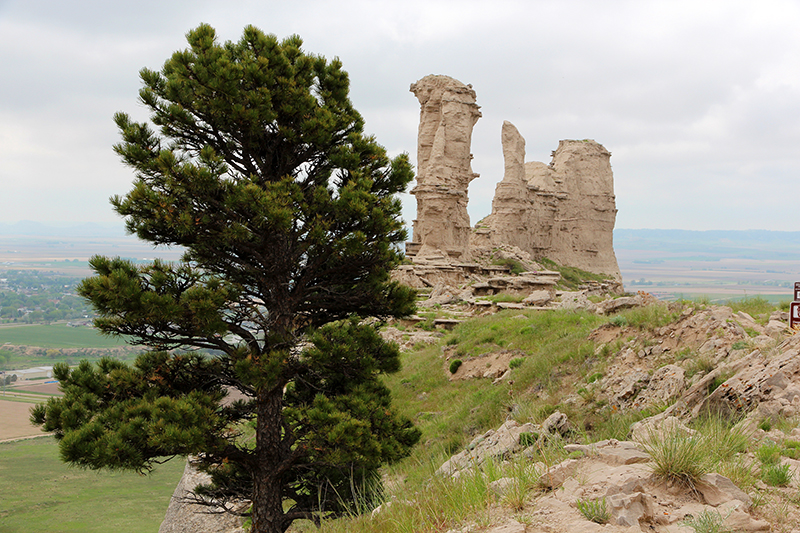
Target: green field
{"points": [[40, 493], [57, 336]]}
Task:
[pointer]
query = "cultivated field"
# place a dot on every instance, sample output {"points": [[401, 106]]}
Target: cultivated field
{"points": [[15, 405], [14, 415], [56, 336], [70, 254]]}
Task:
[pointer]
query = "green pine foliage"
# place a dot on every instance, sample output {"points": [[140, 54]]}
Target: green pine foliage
{"points": [[255, 163]]}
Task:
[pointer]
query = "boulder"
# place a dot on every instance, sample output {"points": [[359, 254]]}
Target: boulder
{"points": [[717, 489], [556, 424], [538, 298], [665, 385], [614, 305], [185, 516]]}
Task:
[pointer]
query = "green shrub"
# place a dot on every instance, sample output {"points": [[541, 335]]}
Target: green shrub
{"points": [[740, 471], [619, 321], [791, 448], [753, 306], [776, 475], [591, 378], [739, 345], [724, 439], [505, 297], [513, 265], [455, 364], [451, 340], [527, 439], [516, 362], [594, 510], [769, 453]]}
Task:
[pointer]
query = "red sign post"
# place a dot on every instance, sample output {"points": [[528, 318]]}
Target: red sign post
{"points": [[794, 308]]}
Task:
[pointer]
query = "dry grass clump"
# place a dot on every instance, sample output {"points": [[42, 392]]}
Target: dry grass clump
{"points": [[677, 456]]}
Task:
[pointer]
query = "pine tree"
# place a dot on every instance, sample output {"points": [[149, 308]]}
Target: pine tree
{"points": [[259, 169]]}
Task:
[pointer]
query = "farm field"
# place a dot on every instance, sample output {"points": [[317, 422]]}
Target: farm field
{"points": [[56, 336], [40, 493], [69, 254], [14, 412]]}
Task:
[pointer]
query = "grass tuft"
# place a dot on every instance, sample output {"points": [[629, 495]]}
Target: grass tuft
{"points": [[776, 475], [678, 457], [707, 522], [594, 510]]}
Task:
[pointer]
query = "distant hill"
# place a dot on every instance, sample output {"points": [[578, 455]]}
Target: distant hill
{"points": [[28, 228], [711, 245]]}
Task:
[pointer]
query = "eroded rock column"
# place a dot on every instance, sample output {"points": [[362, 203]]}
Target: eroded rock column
{"points": [[448, 113], [564, 211]]}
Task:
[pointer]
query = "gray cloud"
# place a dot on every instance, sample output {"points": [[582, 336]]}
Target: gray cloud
{"points": [[697, 101]]}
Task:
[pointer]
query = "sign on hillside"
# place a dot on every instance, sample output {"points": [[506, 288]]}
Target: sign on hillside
{"points": [[794, 308]]}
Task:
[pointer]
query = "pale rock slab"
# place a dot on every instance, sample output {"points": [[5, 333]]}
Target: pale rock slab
{"points": [[717, 489], [538, 298], [448, 113], [666, 384], [183, 516], [493, 443], [512, 526]]}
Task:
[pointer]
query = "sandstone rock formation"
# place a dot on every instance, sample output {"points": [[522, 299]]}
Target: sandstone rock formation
{"points": [[447, 115], [564, 211], [185, 516]]}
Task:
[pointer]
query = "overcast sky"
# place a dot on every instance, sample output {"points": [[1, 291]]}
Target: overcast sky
{"points": [[698, 101]]}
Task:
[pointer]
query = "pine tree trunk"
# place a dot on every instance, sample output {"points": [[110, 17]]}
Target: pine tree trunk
{"points": [[268, 516]]}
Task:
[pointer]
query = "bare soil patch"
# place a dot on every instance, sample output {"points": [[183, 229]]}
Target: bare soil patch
{"points": [[15, 420], [40, 387]]}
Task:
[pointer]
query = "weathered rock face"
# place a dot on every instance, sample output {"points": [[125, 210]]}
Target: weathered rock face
{"points": [[447, 115], [185, 516], [565, 211]]}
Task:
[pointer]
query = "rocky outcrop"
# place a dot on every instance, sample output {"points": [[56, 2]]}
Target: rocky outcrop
{"points": [[184, 515], [618, 473], [444, 169], [564, 211]]}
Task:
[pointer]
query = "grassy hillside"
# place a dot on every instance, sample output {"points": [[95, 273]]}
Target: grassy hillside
{"points": [[554, 363], [40, 493]]}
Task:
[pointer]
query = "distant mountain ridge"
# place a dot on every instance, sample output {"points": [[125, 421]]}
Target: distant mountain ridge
{"points": [[713, 244], [31, 228]]}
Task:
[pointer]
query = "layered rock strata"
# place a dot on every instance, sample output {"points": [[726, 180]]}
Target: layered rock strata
{"points": [[564, 211], [448, 113]]}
